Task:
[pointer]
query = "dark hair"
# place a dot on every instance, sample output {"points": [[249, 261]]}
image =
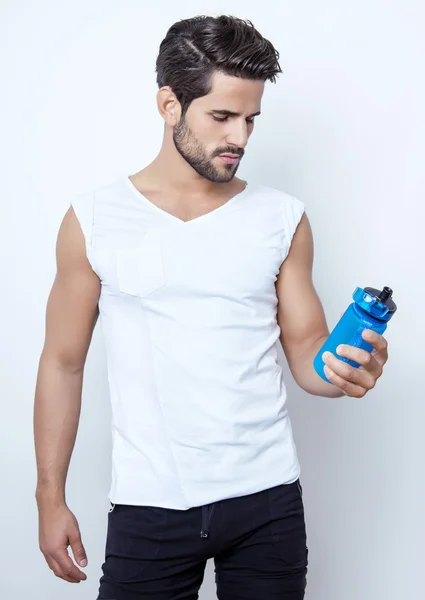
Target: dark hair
{"points": [[194, 49]]}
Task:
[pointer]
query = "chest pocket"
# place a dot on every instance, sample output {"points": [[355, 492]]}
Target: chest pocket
{"points": [[140, 268]]}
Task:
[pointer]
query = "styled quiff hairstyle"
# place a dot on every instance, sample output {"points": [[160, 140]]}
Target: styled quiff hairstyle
{"points": [[194, 49]]}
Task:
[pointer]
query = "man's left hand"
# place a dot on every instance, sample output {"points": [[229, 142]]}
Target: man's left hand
{"points": [[356, 382]]}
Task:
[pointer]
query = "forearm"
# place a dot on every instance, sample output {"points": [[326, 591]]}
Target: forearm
{"points": [[305, 375], [57, 409]]}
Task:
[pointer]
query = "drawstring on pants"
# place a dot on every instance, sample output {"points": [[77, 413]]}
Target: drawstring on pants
{"points": [[207, 513]]}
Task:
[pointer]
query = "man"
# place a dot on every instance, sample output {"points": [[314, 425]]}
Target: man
{"points": [[196, 275]]}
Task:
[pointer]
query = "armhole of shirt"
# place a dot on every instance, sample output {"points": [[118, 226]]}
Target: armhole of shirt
{"points": [[83, 205], [293, 212]]}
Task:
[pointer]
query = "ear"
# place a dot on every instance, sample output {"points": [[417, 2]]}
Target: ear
{"points": [[168, 105]]}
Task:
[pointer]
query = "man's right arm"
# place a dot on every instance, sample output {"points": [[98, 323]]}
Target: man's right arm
{"points": [[71, 315]]}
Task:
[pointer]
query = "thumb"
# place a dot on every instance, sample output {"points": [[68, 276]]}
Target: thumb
{"points": [[78, 549]]}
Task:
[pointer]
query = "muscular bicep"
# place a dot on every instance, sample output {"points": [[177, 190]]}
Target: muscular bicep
{"points": [[72, 307], [300, 312]]}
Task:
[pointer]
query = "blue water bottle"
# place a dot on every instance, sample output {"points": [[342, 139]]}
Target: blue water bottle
{"points": [[371, 309]]}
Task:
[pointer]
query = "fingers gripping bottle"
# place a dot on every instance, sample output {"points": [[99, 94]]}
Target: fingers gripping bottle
{"points": [[371, 309]]}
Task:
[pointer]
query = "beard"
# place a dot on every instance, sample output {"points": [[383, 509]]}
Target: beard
{"points": [[191, 149]]}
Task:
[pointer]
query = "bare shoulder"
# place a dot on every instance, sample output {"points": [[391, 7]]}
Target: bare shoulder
{"points": [[71, 244], [302, 246]]}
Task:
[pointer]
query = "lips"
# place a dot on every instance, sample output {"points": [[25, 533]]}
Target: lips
{"points": [[229, 159]]}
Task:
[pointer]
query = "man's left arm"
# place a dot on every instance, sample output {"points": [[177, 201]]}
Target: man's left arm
{"points": [[304, 329]]}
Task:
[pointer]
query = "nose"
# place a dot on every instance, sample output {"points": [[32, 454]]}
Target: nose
{"points": [[238, 136]]}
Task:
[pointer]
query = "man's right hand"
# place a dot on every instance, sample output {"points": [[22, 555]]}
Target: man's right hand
{"points": [[58, 529]]}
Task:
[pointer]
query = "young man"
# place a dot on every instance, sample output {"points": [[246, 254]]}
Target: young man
{"points": [[196, 275]]}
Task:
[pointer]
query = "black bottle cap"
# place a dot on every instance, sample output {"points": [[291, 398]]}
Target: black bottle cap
{"points": [[383, 296]]}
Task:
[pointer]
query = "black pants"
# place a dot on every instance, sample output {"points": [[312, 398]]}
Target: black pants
{"points": [[258, 543]]}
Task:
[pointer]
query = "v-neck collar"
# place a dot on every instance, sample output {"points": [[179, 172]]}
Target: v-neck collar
{"points": [[165, 213]]}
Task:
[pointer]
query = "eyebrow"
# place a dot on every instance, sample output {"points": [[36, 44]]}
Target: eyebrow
{"points": [[233, 114]]}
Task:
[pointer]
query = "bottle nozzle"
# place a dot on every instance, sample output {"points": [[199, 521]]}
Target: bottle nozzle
{"points": [[385, 294]]}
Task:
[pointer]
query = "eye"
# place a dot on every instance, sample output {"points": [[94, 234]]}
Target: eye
{"points": [[250, 121]]}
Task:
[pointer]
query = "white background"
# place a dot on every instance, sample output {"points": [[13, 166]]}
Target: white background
{"points": [[343, 130]]}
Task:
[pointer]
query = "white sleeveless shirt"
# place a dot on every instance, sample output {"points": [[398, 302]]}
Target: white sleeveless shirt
{"points": [[188, 315]]}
